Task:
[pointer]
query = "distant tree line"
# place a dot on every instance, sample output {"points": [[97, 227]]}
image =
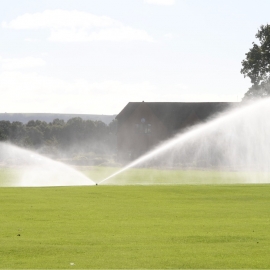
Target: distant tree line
{"points": [[62, 138]]}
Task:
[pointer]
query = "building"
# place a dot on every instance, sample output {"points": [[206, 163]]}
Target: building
{"points": [[142, 125]]}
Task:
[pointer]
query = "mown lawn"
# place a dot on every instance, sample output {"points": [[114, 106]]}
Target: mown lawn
{"points": [[180, 226], [154, 176]]}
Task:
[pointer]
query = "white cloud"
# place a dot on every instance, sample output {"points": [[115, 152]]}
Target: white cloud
{"points": [[160, 2], [169, 36], [77, 26], [58, 19], [31, 92], [208, 98], [31, 39], [21, 63], [108, 34]]}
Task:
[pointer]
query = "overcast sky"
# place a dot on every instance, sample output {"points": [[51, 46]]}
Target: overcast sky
{"points": [[94, 56]]}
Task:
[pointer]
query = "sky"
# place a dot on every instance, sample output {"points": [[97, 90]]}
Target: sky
{"points": [[95, 56]]}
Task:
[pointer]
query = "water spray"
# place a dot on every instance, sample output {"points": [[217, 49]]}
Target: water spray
{"points": [[239, 138], [39, 171]]}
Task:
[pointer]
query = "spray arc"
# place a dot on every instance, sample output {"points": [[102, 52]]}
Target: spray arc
{"points": [[35, 170], [235, 140]]}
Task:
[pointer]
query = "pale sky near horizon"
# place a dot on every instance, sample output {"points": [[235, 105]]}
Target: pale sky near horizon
{"points": [[94, 56]]}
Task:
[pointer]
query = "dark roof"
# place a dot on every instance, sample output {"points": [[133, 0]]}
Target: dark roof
{"points": [[127, 110], [175, 114]]}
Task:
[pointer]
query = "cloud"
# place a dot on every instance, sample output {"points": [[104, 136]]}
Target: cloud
{"points": [[21, 63], [27, 92], [169, 36], [161, 2], [77, 26], [108, 34], [31, 92], [31, 39], [58, 19]]}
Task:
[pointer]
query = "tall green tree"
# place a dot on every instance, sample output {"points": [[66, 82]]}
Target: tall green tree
{"points": [[4, 130], [256, 66]]}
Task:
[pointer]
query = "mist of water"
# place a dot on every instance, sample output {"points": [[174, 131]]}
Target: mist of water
{"points": [[34, 170], [237, 140]]}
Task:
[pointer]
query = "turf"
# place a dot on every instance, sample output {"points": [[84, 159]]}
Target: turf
{"points": [[150, 176], [180, 226]]}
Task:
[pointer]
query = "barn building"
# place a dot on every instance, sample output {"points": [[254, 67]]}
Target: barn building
{"points": [[142, 125]]}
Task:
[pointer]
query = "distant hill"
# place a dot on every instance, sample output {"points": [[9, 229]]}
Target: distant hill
{"points": [[49, 117]]}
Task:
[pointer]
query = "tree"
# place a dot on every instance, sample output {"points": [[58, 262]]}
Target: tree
{"points": [[34, 136], [17, 133], [4, 130], [256, 66]]}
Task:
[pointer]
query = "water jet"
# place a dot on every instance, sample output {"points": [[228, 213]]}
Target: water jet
{"points": [[237, 140], [34, 170]]}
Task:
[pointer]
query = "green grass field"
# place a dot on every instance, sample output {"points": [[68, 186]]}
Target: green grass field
{"points": [[150, 176], [131, 227]]}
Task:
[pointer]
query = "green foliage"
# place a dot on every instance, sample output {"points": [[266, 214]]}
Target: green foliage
{"points": [[4, 130], [256, 66], [135, 227], [73, 136], [17, 132]]}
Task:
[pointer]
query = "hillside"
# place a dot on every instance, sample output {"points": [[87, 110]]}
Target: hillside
{"points": [[49, 117]]}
